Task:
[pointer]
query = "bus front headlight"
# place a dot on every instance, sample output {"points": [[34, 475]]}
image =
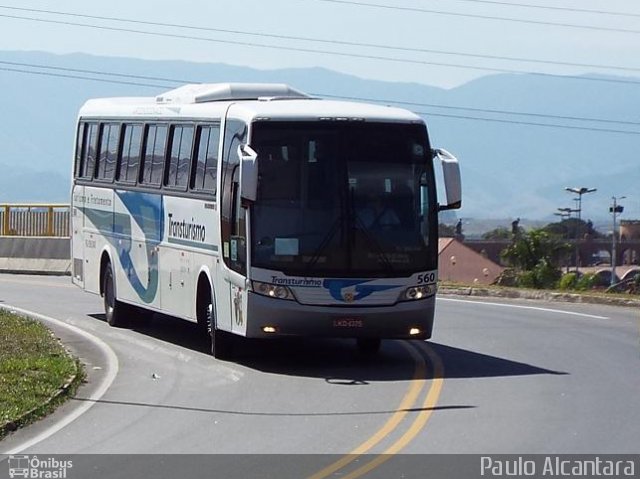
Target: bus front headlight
{"points": [[419, 292], [272, 290]]}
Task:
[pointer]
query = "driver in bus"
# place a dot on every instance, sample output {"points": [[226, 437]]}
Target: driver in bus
{"points": [[377, 214]]}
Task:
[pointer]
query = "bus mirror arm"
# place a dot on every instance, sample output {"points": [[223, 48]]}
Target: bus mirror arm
{"points": [[248, 174], [452, 180]]}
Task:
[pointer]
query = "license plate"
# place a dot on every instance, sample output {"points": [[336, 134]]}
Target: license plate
{"points": [[348, 323]]}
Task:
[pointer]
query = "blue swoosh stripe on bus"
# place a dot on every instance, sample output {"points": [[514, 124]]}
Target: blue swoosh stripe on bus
{"points": [[335, 287], [147, 211]]}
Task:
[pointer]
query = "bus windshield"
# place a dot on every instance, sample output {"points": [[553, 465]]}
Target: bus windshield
{"points": [[344, 198]]}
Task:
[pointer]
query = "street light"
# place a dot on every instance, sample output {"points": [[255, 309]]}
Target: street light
{"points": [[614, 210], [579, 191]]}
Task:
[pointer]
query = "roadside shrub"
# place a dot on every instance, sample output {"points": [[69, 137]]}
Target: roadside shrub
{"points": [[547, 275], [527, 279], [568, 281], [542, 276], [587, 281]]}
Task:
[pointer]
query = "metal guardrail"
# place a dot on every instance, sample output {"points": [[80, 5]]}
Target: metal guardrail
{"points": [[34, 220]]}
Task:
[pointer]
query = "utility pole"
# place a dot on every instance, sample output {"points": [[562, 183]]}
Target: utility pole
{"points": [[615, 209]]}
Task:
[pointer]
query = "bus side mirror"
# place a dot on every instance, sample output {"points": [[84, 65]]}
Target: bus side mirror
{"points": [[248, 173], [451, 176]]}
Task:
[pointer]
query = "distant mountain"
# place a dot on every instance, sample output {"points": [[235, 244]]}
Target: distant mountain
{"points": [[510, 169]]}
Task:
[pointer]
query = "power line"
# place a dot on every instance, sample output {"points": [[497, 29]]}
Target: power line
{"points": [[324, 95], [528, 123], [319, 40], [483, 110], [478, 16], [317, 51], [547, 7], [430, 114], [96, 72], [78, 77]]}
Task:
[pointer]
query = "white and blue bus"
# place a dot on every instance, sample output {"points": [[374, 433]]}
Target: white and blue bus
{"points": [[256, 210]]}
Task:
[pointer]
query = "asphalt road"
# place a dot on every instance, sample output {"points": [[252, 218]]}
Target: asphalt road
{"points": [[498, 377]]}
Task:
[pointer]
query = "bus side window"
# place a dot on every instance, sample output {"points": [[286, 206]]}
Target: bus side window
{"points": [[89, 144], [108, 151], [130, 158], [179, 159], [153, 160], [205, 168], [77, 170]]}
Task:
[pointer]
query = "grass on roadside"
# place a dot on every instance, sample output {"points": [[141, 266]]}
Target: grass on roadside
{"points": [[36, 372]]}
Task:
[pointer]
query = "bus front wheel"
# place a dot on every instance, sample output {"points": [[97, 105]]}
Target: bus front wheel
{"points": [[114, 310], [221, 341]]}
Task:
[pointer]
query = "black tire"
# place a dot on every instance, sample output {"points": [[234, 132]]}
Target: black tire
{"points": [[114, 310], [220, 342], [368, 346]]}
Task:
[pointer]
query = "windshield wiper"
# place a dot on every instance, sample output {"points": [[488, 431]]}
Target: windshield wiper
{"points": [[323, 244], [335, 226]]}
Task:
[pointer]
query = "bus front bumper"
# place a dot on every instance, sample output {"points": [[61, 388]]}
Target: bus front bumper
{"points": [[269, 317]]}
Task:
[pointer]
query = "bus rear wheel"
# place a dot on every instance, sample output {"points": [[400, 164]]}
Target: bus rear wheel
{"points": [[114, 310], [368, 346]]}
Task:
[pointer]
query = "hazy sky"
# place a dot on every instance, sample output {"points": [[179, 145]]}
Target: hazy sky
{"points": [[409, 31]]}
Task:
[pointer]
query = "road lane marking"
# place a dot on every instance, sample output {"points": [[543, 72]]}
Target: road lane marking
{"points": [[536, 308], [408, 401], [104, 384], [419, 422]]}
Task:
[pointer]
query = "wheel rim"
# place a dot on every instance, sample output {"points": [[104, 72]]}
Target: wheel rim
{"points": [[210, 323]]}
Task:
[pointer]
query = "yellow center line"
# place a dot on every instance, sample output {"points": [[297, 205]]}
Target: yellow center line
{"points": [[410, 397], [427, 409]]}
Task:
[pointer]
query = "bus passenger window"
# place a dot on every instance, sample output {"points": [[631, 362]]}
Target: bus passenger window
{"points": [[89, 151], [153, 161], [77, 170], [180, 157], [130, 158], [108, 151], [204, 173]]}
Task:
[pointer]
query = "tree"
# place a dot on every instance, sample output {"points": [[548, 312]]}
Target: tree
{"points": [[500, 233], [572, 228], [536, 255]]}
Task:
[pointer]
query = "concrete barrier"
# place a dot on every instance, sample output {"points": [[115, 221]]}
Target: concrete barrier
{"points": [[41, 255]]}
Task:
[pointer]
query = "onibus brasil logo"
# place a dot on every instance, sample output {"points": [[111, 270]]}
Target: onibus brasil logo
{"points": [[35, 468]]}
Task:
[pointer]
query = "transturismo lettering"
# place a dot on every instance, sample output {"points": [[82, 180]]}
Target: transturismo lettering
{"points": [[556, 466], [183, 229], [307, 282]]}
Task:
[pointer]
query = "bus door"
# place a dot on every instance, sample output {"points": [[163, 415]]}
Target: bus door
{"points": [[77, 237], [231, 288]]}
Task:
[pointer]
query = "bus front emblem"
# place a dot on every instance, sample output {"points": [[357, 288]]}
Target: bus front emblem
{"points": [[348, 297]]}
